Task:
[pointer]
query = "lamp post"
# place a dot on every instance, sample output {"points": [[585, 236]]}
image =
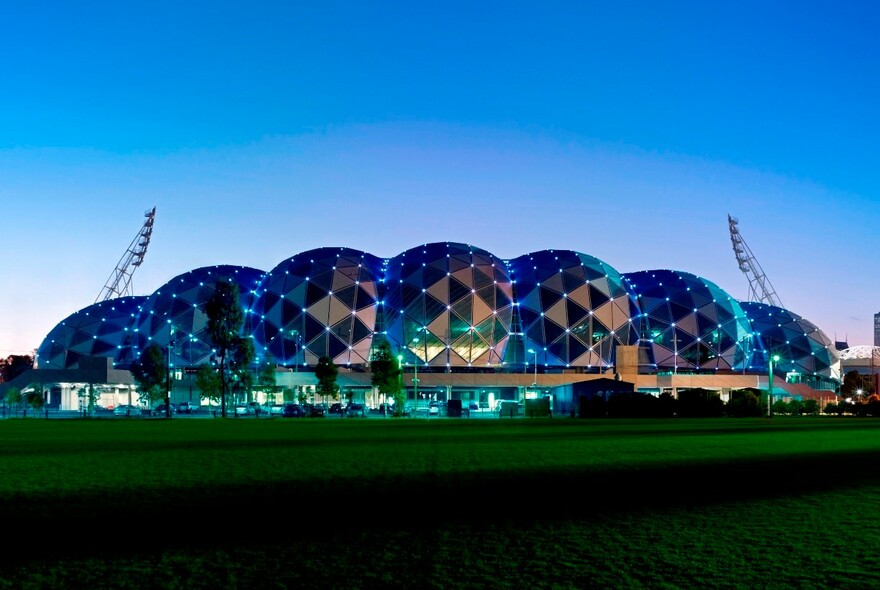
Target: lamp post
{"points": [[399, 376], [535, 362], [773, 359], [295, 335], [168, 375], [416, 377]]}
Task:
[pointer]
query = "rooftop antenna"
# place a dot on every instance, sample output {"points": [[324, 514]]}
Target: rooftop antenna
{"points": [[760, 289], [119, 282]]}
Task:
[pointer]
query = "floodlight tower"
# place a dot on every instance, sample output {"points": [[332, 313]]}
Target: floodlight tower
{"points": [[119, 282], [760, 289]]}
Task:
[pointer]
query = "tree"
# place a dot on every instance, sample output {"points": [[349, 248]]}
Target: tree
{"points": [[234, 352], [744, 403], [35, 398], [13, 396], [811, 407], [14, 365], [266, 379], [151, 373], [326, 372], [208, 383], [853, 382], [385, 374]]}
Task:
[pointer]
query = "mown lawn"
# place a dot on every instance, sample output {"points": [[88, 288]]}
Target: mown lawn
{"points": [[399, 503]]}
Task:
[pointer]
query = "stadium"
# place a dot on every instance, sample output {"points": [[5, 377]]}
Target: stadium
{"points": [[559, 325]]}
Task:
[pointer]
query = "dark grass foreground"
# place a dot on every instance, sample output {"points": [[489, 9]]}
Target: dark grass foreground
{"points": [[782, 503]]}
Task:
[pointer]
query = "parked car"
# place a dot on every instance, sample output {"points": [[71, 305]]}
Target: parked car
{"points": [[433, 410], [473, 407], [313, 410], [292, 411], [336, 409], [359, 410], [161, 410], [126, 410], [248, 409], [274, 409], [185, 408]]}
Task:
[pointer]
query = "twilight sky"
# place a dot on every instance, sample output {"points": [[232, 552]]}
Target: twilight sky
{"points": [[258, 130]]}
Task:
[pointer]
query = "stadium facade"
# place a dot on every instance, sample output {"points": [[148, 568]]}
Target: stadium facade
{"points": [[467, 323]]}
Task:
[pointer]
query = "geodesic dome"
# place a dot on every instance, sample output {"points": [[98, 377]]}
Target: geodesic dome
{"points": [[101, 329], [456, 299], [802, 347], [573, 308], [689, 322], [179, 307], [316, 303]]}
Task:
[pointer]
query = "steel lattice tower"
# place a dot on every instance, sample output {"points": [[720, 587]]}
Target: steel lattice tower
{"points": [[119, 282], [760, 289]]}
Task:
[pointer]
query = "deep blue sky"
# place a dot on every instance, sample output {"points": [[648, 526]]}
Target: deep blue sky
{"points": [[627, 130]]}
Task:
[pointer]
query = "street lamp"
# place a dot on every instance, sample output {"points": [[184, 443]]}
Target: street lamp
{"points": [[535, 361], [399, 375], [416, 379], [773, 359], [295, 336], [168, 375]]}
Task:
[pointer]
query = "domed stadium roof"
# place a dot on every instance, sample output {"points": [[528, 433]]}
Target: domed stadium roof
{"points": [[101, 329], [690, 322], [178, 307], [456, 299], [319, 302], [802, 347], [862, 351], [573, 308]]}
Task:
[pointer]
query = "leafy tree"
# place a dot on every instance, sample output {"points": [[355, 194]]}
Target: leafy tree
{"points": [[266, 379], [233, 352], [90, 393], [35, 399], [385, 374], [150, 372], [208, 383], [783, 407], [326, 371], [14, 365], [744, 403], [853, 382], [13, 397], [810, 407], [835, 408]]}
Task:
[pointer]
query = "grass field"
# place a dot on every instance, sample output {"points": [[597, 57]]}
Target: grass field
{"points": [[562, 503]]}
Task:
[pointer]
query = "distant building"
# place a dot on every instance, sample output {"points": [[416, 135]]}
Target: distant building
{"points": [[877, 329]]}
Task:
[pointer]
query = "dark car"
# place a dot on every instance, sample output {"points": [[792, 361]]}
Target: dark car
{"points": [[292, 411], [359, 410], [161, 410], [313, 410], [184, 408], [336, 409]]}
